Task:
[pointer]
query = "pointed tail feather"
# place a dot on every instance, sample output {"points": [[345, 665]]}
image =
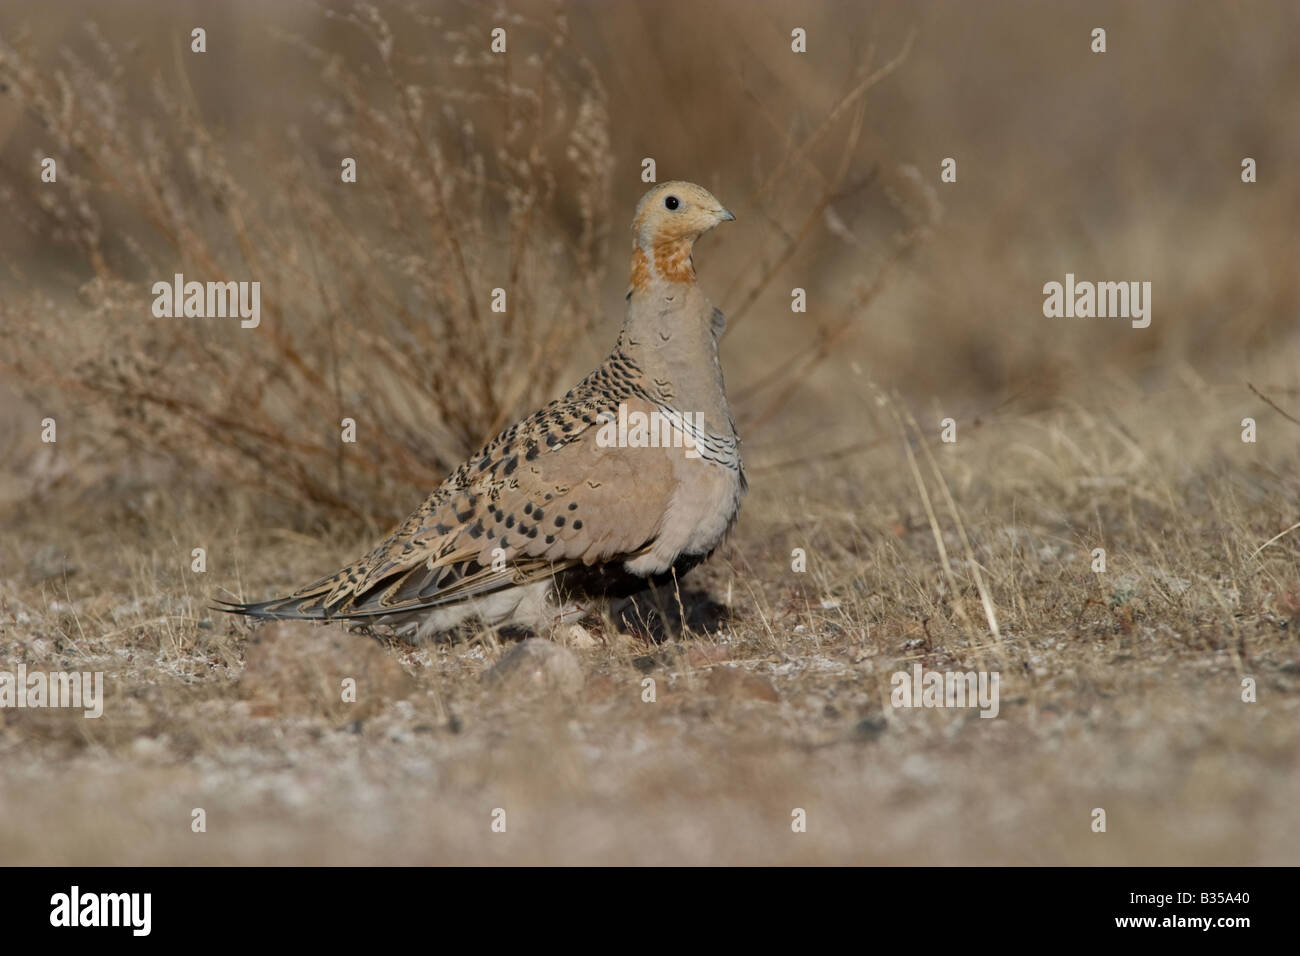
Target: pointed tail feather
{"points": [[279, 609]]}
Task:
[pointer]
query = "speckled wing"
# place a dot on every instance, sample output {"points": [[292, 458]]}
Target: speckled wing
{"points": [[546, 493]]}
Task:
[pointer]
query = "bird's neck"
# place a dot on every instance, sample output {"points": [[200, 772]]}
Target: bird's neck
{"points": [[662, 260], [671, 332]]}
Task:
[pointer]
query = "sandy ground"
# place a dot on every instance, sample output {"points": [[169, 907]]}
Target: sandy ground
{"points": [[1120, 691]]}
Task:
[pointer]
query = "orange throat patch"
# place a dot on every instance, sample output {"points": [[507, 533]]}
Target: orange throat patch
{"points": [[672, 263]]}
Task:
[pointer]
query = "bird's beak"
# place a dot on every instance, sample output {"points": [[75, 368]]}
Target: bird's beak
{"points": [[726, 216]]}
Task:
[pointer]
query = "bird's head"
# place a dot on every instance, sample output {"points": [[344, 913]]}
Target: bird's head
{"points": [[669, 218]]}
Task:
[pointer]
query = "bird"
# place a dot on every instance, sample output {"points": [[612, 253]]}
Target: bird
{"points": [[575, 504]]}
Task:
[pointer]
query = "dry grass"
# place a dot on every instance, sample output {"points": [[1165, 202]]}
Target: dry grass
{"points": [[1119, 690], [401, 280]]}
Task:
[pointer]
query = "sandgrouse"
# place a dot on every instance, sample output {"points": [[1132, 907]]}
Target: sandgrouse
{"points": [[580, 501]]}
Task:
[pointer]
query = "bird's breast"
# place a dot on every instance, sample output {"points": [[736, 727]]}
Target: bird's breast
{"points": [[703, 506]]}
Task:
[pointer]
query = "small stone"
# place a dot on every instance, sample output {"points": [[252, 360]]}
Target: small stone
{"points": [[869, 728], [148, 747], [538, 665], [575, 635]]}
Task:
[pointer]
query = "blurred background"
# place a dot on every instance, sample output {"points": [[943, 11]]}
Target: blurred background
{"points": [[478, 171]]}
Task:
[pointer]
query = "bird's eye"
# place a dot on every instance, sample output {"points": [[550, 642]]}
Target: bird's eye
{"points": [[672, 202]]}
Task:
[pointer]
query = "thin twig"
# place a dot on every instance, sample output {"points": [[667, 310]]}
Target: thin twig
{"points": [[1273, 405]]}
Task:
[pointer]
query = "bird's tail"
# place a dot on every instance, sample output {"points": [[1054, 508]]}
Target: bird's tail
{"points": [[277, 609]]}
